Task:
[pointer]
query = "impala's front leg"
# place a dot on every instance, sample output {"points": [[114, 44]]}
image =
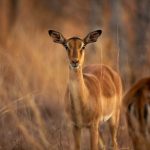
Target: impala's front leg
{"points": [[77, 137], [94, 136], [114, 137], [114, 122], [101, 142]]}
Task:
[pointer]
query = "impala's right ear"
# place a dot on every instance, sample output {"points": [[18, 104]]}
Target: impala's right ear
{"points": [[57, 37]]}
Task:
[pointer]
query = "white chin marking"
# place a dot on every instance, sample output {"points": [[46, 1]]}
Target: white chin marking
{"points": [[74, 68]]}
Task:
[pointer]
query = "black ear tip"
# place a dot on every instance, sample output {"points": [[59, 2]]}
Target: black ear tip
{"points": [[99, 31], [50, 32]]}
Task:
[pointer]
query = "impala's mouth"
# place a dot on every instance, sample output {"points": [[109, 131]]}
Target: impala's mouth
{"points": [[75, 65]]}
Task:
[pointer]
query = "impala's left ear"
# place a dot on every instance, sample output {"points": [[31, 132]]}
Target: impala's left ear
{"points": [[92, 36]]}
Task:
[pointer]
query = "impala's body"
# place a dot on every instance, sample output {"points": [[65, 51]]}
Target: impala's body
{"points": [[137, 107], [93, 94], [97, 80]]}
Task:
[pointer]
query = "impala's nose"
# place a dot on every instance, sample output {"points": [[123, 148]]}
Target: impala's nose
{"points": [[75, 61]]}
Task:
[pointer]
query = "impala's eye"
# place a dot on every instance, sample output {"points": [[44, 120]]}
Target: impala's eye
{"points": [[83, 47], [66, 47]]}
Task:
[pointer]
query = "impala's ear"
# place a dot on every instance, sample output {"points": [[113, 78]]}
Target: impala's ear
{"points": [[57, 37], [92, 36]]}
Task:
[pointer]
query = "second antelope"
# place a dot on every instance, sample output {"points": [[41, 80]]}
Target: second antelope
{"points": [[94, 92], [137, 109]]}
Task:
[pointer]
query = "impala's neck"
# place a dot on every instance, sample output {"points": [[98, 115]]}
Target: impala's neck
{"points": [[77, 86]]}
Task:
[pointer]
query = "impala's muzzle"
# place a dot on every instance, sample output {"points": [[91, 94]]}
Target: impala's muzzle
{"points": [[75, 64]]}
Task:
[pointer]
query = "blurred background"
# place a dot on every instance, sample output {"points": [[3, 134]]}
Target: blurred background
{"points": [[34, 70]]}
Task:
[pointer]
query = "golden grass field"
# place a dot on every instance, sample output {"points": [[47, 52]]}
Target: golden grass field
{"points": [[34, 76]]}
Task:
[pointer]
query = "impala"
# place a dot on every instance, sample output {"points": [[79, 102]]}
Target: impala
{"points": [[93, 93], [137, 108]]}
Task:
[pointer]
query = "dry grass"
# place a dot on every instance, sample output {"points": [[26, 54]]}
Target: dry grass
{"points": [[33, 80], [34, 71], [31, 93]]}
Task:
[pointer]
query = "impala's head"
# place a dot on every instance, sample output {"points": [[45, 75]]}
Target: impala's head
{"points": [[75, 46]]}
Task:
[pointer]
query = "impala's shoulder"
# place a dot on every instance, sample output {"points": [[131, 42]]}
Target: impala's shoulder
{"points": [[92, 84], [95, 85], [90, 79]]}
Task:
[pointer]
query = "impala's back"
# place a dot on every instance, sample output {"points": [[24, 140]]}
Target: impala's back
{"points": [[137, 106]]}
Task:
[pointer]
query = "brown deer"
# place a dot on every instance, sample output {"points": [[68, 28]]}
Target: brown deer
{"points": [[137, 108], [94, 92]]}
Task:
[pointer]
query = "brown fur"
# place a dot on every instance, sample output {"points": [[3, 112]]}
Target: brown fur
{"points": [[100, 82], [93, 94], [137, 108], [95, 97]]}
